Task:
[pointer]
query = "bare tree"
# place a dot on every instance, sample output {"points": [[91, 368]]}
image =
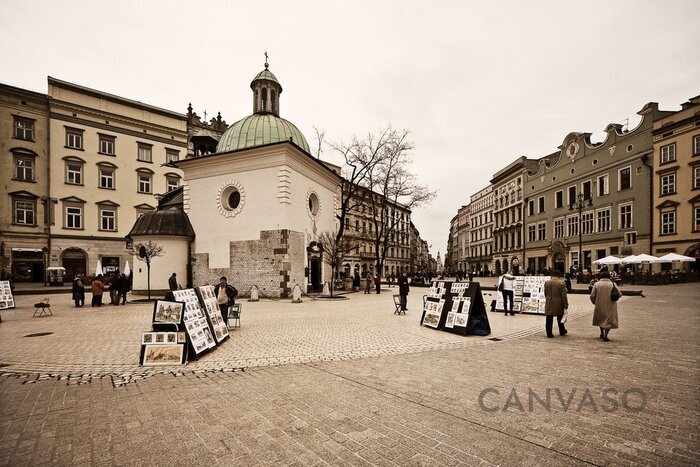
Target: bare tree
{"points": [[145, 252], [389, 189], [334, 252]]}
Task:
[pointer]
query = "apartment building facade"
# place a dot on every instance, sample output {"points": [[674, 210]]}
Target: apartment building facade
{"points": [[675, 205], [590, 200], [481, 232]]}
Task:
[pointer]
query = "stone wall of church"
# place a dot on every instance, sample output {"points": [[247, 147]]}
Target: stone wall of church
{"points": [[274, 263]]}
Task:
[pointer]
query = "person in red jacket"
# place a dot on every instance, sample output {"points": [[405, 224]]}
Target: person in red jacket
{"points": [[98, 288]]}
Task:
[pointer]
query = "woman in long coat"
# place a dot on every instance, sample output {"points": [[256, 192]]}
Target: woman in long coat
{"points": [[605, 312]]}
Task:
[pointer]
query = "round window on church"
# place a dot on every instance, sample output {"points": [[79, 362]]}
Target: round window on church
{"points": [[313, 204], [234, 199]]}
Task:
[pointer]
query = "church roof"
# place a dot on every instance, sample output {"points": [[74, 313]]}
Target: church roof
{"points": [[259, 129], [168, 219]]}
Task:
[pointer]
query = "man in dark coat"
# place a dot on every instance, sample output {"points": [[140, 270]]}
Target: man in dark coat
{"points": [[122, 288], [403, 290], [556, 302], [172, 282]]}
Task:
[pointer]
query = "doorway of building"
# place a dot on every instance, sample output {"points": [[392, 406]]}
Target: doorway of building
{"points": [[559, 262], [75, 262], [316, 274]]}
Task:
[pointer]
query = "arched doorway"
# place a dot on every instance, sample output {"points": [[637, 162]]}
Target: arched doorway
{"points": [[315, 272], [694, 252], [505, 266], [75, 262], [558, 261]]}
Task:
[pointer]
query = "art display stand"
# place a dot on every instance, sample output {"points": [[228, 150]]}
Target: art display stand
{"points": [[528, 295], [7, 300], [200, 334], [166, 343], [456, 307], [216, 321]]}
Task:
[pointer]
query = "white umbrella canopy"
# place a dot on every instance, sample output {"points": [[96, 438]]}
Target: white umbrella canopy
{"points": [[629, 259], [671, 257], [608, 260], [644, 258], [127, 269], [98, 268]]}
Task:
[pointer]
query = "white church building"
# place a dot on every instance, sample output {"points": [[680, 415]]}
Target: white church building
{"points": [[252, 211]]}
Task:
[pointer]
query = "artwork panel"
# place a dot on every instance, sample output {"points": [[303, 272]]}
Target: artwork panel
{"points": [[160, 355]]}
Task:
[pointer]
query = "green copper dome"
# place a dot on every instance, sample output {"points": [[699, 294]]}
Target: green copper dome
{"points": [[259, 129], [268, 75]]}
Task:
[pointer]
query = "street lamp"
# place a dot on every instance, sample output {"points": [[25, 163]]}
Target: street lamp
{"points": [[578, 205]]}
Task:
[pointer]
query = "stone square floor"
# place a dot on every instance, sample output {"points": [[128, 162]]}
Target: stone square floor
{"points": [[350, 383]]}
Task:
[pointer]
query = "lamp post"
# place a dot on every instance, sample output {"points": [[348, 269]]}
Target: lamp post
{"points": [[578, 205]]}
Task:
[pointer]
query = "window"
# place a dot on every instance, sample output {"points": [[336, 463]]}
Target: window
{"points": [[74, 217], [696, 218], [696, 177], [171, 183], [604, 220], [572, 195], [587, 223], [24, 168], [107, 145], [668, 153], [25, 212], [668, 184], [624, 179], [572, 226], [531, 207], [23, 128], [559, 199], [106, 178], [603, 185], [542, 231], [531, 233], [171, 156], [574, 259], [625, 216], [587, 188], [144, 181], [559, 228], [74, 173], [145, 152], [696, 146], [540, 204], [108, 219], [668, 223], [74, 138]]}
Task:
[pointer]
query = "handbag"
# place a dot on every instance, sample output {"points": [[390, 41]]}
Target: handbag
{"points": [[500, 286], [615, 294], [565, 316]]}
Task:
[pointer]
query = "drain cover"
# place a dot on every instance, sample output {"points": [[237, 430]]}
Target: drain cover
{"points": [[495, 339], [38, 334]]}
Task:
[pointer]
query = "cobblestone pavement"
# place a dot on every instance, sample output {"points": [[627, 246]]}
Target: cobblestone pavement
{"points": [[362, 387]]}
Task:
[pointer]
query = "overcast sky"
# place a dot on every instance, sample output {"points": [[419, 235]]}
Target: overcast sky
{"points": [[477, 83]]}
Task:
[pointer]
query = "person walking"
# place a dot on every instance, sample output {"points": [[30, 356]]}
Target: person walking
{"points": [[356, 282], [403, 290], [505, 285], [122, 288], [604, 296], [378, 282], [78, 291], [172, 282], [556, 303], [98, 288], [368, 283], [225, 295]]}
